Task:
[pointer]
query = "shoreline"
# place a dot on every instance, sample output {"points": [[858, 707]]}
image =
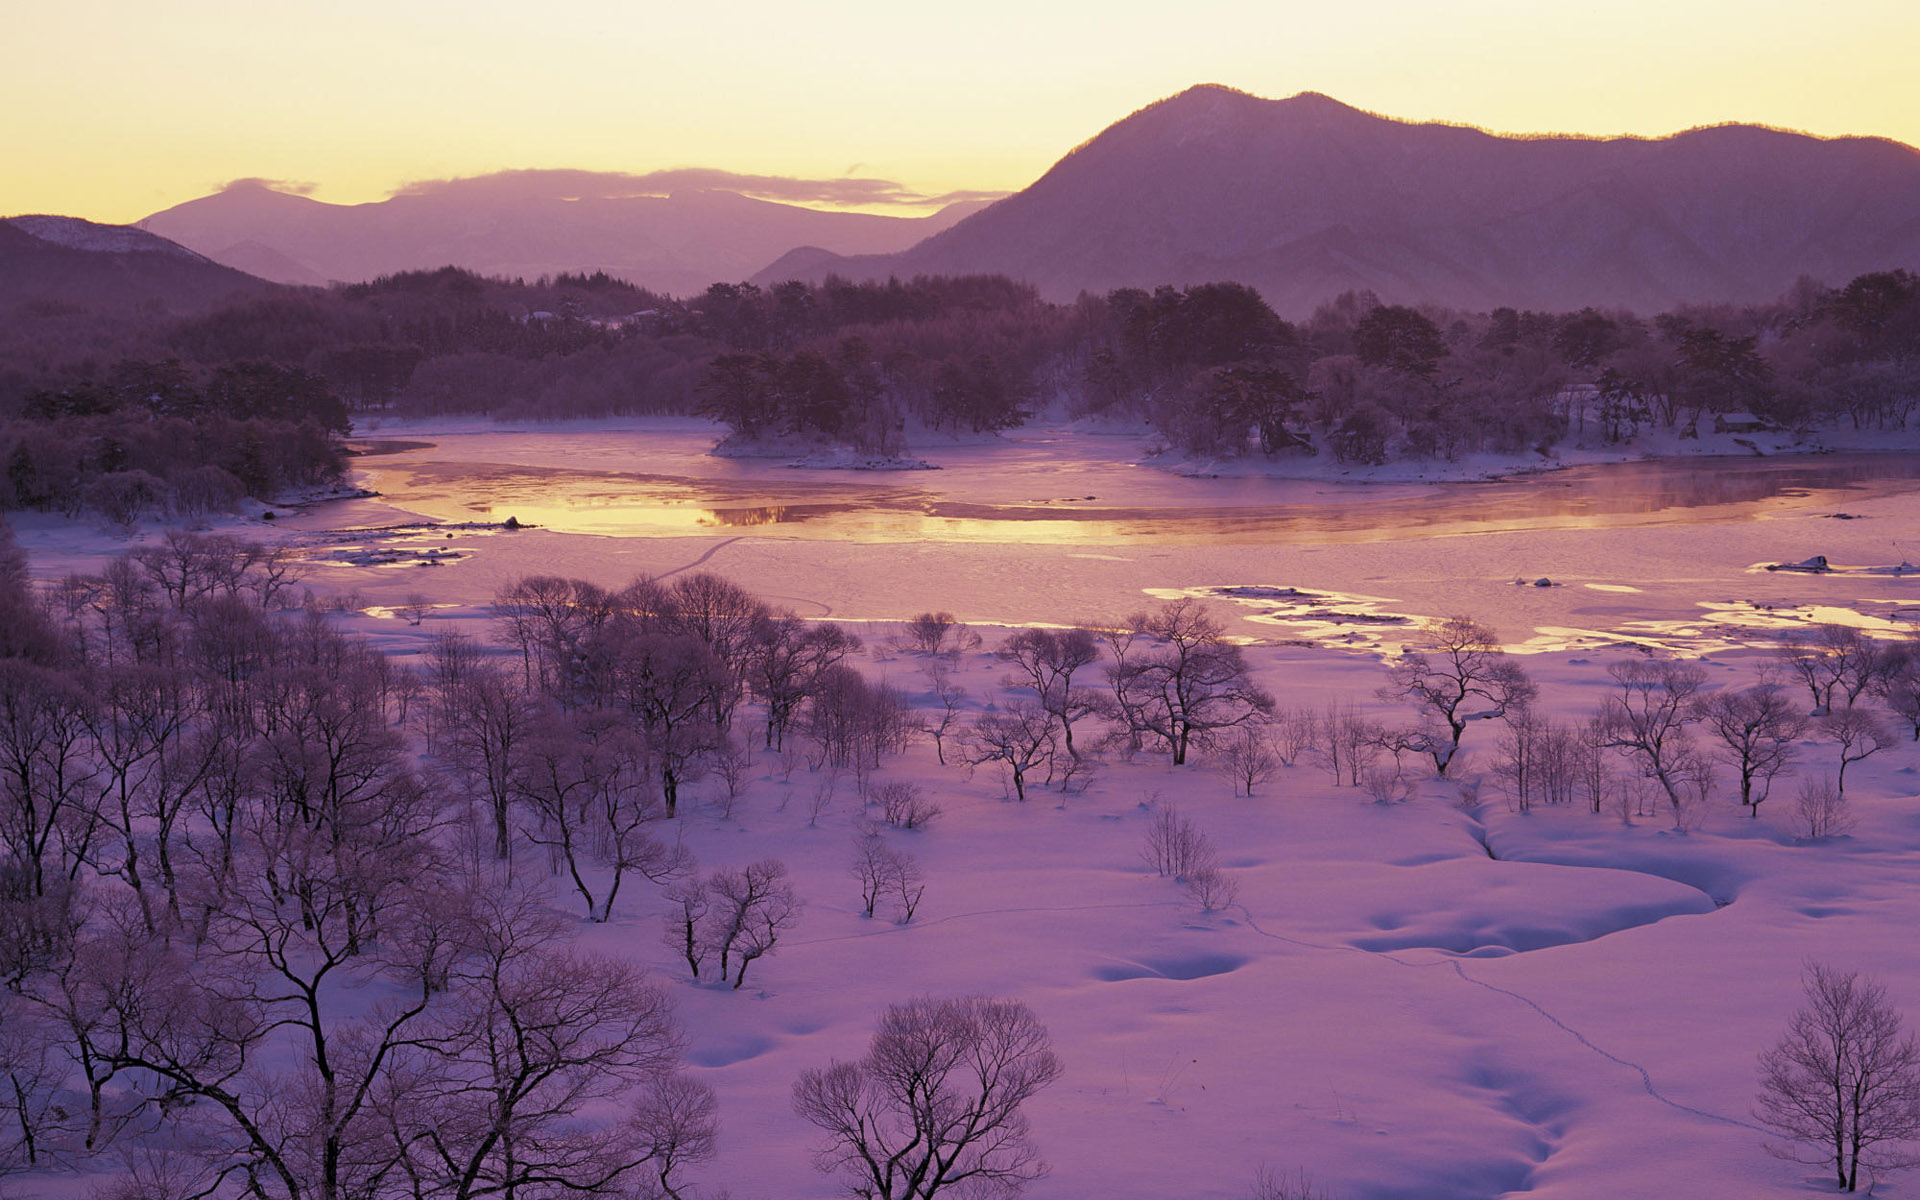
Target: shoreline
{"points": [[929, 453]]}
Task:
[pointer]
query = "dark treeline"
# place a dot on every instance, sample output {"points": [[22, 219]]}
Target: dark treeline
{"points": [[1215, 371], [157, 438], [1210, 367]]}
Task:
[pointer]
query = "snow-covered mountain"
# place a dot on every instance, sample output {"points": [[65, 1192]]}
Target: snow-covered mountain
{"points": [[71, 261]]}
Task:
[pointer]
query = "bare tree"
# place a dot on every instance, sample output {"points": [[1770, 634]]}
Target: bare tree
{"points": [[854, 724], [1177, 678], [1349, 743], [690, 903], [1836, 660], [748, 911], [1175, 846], [1539, 761], [671, 684], [1758, 729], [939, 633], [1842, 1087], [906, 883], [1269, 1184], [1821, 810], [871, 867], [1458, 673], [415, 608], [511, 1093], [1018, 736], [1647, 720], [785, 658], [951, 695], [482, 719], [1900, 688], [1247, 757], [1294, 732], [904, 806], [1046, 662], [35, 1128], [1857, 733], [935, 1105]]}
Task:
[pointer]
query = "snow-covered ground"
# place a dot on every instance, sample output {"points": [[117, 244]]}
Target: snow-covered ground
{"points": [[1424, 1000]]}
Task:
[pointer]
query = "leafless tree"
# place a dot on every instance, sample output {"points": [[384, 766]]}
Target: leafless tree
{"points": [[935, 1104], [906, 883], [619, 814], [1821, 810], [1900, 689], [1046, 661], [1836, 660], [1757, 728], [1857, 733], [1458, 673], [854, 724], [951, 697], [1648, 719], [46, 776], [939, 633], [689, 902], [1386, 785], [904, 806], [414, 608], [1539, 761], [748, 910], [1842, 1087], [733, 763], [1175, 846], [1247, 757], [785, 659], [1349, 743], [671, 685], [481, 719], [1177, 678], [870, 866], [510, 1092], [1269, 1184], [884, 872], [36, 1129], [1213, 889], [550, 620], [1018, 735], [1294, 731]]}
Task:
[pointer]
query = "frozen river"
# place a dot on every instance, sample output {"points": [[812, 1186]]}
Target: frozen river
{"points": [[1054, 526]]}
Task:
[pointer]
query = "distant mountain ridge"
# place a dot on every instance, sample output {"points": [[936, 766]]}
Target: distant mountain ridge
{"points": [[67, 260], [1305, 197], [525, 225]]}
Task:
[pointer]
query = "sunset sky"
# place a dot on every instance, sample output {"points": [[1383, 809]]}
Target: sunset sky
{"points": [[118, 109]]}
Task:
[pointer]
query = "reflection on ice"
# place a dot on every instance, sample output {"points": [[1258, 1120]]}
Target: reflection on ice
{"points": [[1353, 621], [1334, 618]]}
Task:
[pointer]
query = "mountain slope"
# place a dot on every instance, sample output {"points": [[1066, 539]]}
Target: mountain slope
{"points": [[70, 261], [526, 224], [1307, 197]]}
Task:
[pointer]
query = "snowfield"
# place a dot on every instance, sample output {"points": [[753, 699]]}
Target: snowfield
{"points": [[1437, 998]]}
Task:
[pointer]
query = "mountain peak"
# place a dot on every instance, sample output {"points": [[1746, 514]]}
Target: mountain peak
{"points": [[1209, 110], [74, 233]]}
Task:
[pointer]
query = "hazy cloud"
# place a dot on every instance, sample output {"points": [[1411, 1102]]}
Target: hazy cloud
{"points": [[292, 187], [848, 191]]}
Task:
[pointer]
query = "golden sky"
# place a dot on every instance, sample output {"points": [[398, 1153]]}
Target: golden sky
{"points": [[119, 108]]}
